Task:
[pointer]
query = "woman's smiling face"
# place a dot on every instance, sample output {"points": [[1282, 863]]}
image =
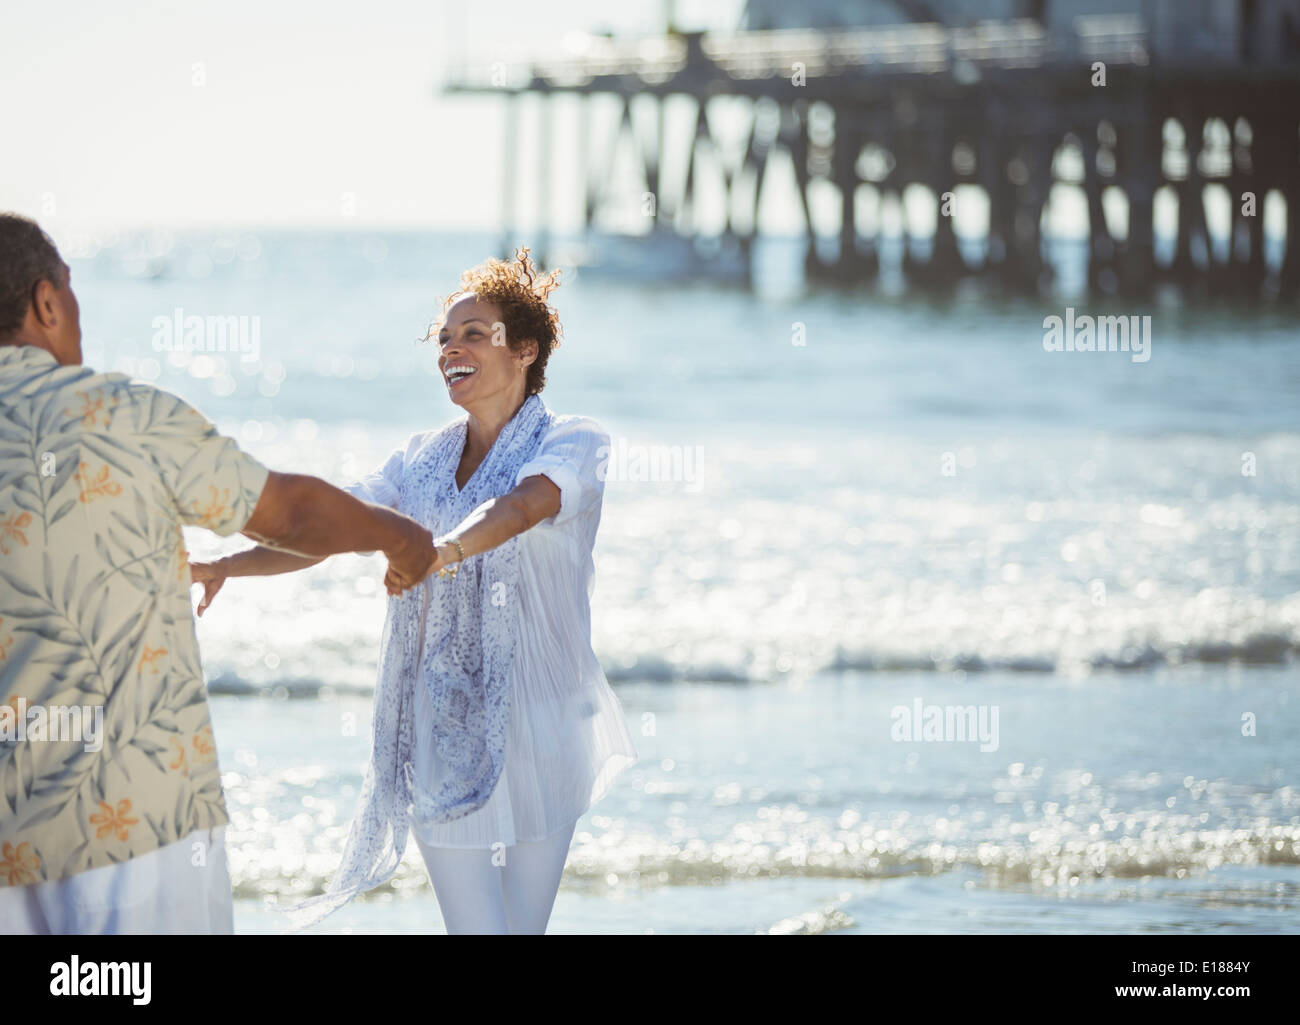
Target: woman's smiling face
{"points": [[476, 363]]}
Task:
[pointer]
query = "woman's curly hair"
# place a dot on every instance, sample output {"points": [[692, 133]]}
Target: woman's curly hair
{"points": [[520, 291]]}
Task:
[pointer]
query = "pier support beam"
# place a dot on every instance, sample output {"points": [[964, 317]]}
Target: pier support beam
{"points": [[853, 266], [508, 176], [794, 136], [1015, 169], [1249, 266], [945, 265], [1139, 155], [1102, 278], [1193, 235], [1289, 281], [544, 184]]}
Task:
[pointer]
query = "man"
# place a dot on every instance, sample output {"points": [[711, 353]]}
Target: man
{"points": [[111, 809]]}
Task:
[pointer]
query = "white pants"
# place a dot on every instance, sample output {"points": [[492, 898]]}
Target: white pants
{"points": [[507, 891], [181, 888]]}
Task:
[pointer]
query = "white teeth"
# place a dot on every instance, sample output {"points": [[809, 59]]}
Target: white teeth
{"points": [[455, 373]]}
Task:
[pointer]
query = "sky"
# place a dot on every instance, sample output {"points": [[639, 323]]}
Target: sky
{"points": [[267, 113], [328, 114]]}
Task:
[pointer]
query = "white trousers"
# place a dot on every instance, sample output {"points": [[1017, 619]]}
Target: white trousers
{"points": [[509, 891], [181, 888]]}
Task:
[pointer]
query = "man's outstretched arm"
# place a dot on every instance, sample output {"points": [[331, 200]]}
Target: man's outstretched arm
{"points": [[305, 517]]}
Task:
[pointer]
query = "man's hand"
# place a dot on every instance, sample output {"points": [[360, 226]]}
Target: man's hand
{"points": [[412, 557], [211, 576], [393, 582]]}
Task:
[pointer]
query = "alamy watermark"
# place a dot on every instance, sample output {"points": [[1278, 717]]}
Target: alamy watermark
{"points": [[1098, 334], [20, 722], [950, 723], [621, 461], [221, 333], [75, 978]]}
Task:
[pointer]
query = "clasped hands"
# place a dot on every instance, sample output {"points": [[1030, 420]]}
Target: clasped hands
{"points": [[409, 548], [413, 558]]}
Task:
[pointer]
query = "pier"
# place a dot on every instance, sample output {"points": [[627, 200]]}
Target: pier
{"points": [[1164, 99]]}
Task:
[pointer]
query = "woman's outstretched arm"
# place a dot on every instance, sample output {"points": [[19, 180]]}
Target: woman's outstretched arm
{"points": [[496, 521], [264, 562], [252, 562]]}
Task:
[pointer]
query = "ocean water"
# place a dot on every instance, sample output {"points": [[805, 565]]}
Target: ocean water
{"points": [[822, 509]]}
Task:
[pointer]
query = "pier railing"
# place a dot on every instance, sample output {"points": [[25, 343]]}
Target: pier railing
{"points": [[750, 56]]}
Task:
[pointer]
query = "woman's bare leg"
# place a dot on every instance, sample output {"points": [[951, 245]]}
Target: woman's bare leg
{"points": [[469, 890], [531, 877]]}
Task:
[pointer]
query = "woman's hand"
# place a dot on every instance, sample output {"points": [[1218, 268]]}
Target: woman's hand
{"points": [[397, 585], [211, 576]]}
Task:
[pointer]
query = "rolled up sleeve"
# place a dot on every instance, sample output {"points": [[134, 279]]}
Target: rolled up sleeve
{"points": [[572, 457]]}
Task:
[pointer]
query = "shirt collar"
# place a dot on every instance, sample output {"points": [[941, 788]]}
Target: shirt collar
{"points": [[26, 357]]}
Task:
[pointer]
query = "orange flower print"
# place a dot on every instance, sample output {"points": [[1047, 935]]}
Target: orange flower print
{"points": [[217, 509], [150, 658], [180, 761], [12, 529], [182, 557], [203, 747], [110, 821], [19, 865], [6, 642], [102, 484], [92, 406]]}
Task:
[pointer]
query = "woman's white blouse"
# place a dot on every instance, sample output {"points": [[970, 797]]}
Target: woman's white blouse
{"points": [[567, 739]]}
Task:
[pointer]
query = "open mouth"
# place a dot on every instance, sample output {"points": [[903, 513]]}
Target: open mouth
{"points": [[459, 372]]}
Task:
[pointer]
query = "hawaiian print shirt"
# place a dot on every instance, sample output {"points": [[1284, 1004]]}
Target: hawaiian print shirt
{"points": [[97, 474]]}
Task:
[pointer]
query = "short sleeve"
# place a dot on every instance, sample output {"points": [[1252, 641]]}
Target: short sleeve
{"points": [[213, 482], [572, 456]]}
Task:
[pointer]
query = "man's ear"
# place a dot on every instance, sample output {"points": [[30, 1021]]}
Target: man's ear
{"points": [[43, 305]]}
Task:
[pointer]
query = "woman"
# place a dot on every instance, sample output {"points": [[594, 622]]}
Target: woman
{"points": [[495, 729]]}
